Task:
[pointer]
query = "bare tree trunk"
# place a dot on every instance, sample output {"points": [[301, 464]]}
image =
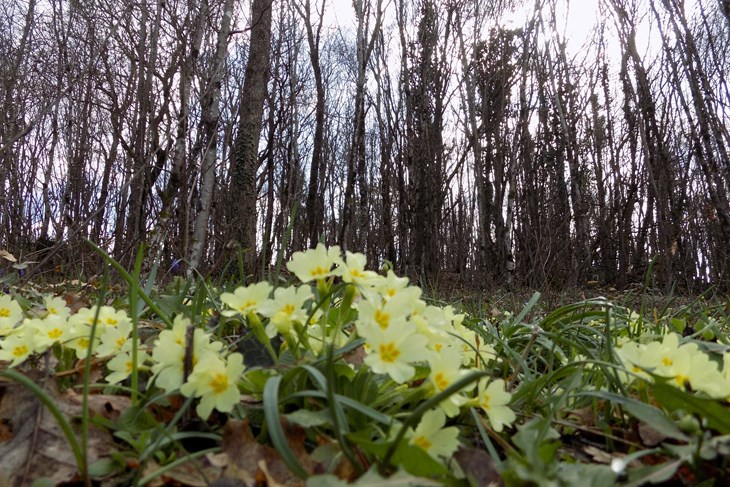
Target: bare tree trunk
{"points": [[243, 199], [315, 198], [210, 106]]}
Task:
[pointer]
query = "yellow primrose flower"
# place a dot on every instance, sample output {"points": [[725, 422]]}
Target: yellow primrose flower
{"points": [[49, 330], [635, 358], [121, 366], [215, 382], [112, 317], [104, 316], [473, 348], [17, 347], [56, 306], [705, 376], [286, 308], [378, 315], [391, 351], [10, 314], [456, 319], [666, 351], [314, 264], [79, 337], [353, 271], [494, 399], [445, 370], [431, 436], [115, 339], [168, 354], [391, 285], [246, 299]]}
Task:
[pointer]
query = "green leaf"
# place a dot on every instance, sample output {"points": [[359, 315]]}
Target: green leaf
{"points": [[711, 410], [103, 467], [43, 482], [652, 416], [653, 474], [308, 419], [372, 478], [276, 432], [417, 462], [679, 324], [136, 419], [350, 403], [586, 475]]}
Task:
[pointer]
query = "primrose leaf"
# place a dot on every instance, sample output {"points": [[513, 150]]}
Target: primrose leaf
{"points": [[372, 478], [652, 416], [711, 410], [308, 419]]}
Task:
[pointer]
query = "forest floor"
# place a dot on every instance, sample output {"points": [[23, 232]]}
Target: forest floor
{"points": [[359, 379]]}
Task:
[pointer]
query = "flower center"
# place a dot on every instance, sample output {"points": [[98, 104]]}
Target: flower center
{"points": [[319, 271], [389, 352], [382, 319], [422, 442], [4, 313], [485, 402], [219, 383], [20, 351], [440, 381]]}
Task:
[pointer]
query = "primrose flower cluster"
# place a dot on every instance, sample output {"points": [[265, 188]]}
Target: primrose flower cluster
{"points": [[684, 363], [337, 302], [22, 336], [213, 377], [399, 328]]}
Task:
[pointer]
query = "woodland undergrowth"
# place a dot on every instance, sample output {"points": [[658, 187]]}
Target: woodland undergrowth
{"points": [[340, 375]]}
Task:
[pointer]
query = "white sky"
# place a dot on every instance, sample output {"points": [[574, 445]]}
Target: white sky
{"points": [[576, 19]]}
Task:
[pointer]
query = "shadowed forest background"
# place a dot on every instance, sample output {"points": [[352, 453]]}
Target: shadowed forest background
{"points": [[433, 134]]}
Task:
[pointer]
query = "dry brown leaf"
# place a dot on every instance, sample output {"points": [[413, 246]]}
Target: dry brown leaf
{"points": [[37, 444], [75, 302], [583, 416], [479, 466], [8, 256], [252, 463], [650, 436], [105, 405], [195, 473], [600, 456]]}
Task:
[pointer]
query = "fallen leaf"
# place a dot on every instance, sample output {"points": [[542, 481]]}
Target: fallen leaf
{"points": [[650, 436], [583, 416], [600, 456], [250, 462], [478, 466], [199, 472], [8, 256], [37, 446], [108, 406]]}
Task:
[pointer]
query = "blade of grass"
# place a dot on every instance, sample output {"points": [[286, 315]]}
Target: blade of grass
{"points": [[432, 402], [350, 403], [192, 456], [125, 275], [273, 423], [133, 300]]}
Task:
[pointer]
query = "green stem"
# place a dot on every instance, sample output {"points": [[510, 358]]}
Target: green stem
{"points": [[125, 275], [432, 402], [133, 298]]}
